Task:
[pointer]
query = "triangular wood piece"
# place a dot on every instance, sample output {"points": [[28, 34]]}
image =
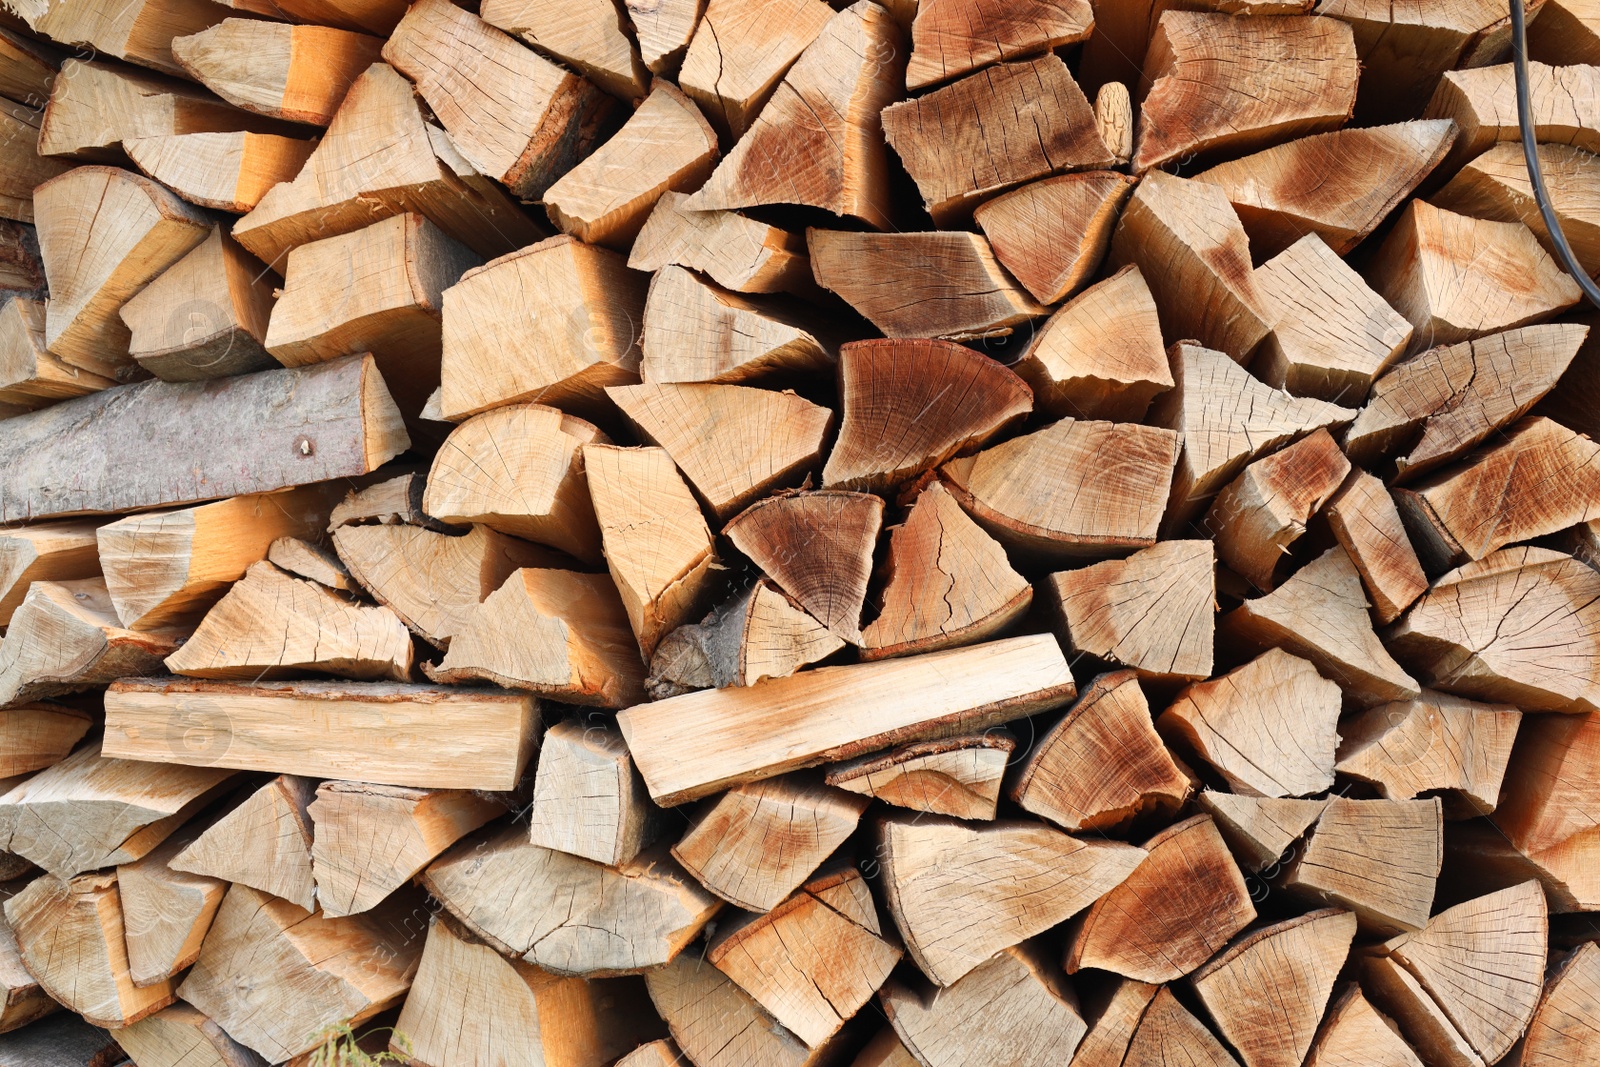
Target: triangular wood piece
{"points": [[695, 331], [587, 797], [1548, 798], [1269, 728], [1378, 858], [390, 501], [1169, 1034], [298, 73], [590, 35], [166, 912], [1562, 1031], [1495, 186], [736, 252], [314, 562], [1433, 743], [1103, 764], [958, 776], [225, 171], [741, 51], [1259, 829], [1483, 104], [1355, 1034], [717, 1024], [179, 1034], [1424, 1025], [761, 633], [818, 547], [30, 376], [140, 32], [789, 155], [1365, 520], [950, 38], [1479, 858], [1113, 1027], [938, 879], [264, 843], [43, 552], [37, 736]]}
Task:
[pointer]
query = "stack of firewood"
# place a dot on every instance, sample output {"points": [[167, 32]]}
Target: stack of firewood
{"points": [[768, 533]]}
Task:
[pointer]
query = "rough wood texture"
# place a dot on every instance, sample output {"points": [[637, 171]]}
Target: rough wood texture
{"points": [[179, 1034], [22, 1001], [1168, 1033], [298, 73], [1259, 829], [1052, 234], [1378, 858], [739, 53], [587, 798], [1483, 104], [736, 252], [1111, 1029], [264, 843], [1262, 512], [1434, 743], [664, 29], [1496, 186], [30, 376], [959, 776], [36, 736], [950, 38], [1561, 1031], [590, 36], [761, 633], [140, 32], [47, 552], [1364, 519], [165, 912], [1355, 1034], [717, 1024], [1398, 993], [695, 331], [225, 171], [315, 562], [1546, 805]]}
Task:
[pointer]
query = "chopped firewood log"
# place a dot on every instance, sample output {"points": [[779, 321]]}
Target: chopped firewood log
{"points": [[1565, 33], [946, 284], [468, 1004], [571, 915], [363, 16], [380, 158], [1435, 743], [812, 967], [1421, 1020], [1144, 928], [695, 331], [1100, 356], [950, 38], [372, 732], [761, 633], [95, 263], [665, 146], [736, 252], [70, 933], [1483, 104], [22, 1001], [30, 376], [1013, 1008], [739, 53], [991, 131], [959, 776], [1269, 728], [24, 167], [392, 501], [757, 843], [1113, 1027], [141, 32], [264, 843], [1059, 494], [1259, 829], [1355, 1034], [297, 73], [587, 798], [790, 154], [47, 552], [1378, 858], [590, 36], [1169, 1034], [314, 562], [199, 440], [1264, 511], [1052, 234], [1189, 245], [1496, 186], [27, 67], [1545, 814], [1103, 765], [1562, 1030], [949, 583], [166, 912], [664, 29], [1365, 520], [178, 1035], [717, 1024], [1361, 175], [320, 971], [733, 444], [818, 547], [21, 270], [226, 171], [940, 885], [598, 304], [1113, 117], [168, 568], [1480, 859], [36, 736]]}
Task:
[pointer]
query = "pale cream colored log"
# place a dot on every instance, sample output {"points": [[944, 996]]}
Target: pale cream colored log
{"points": [[587, 798], [1398, 994], [297, 73], [180, 1035], [25, 166], [959, 776], [717, 1024], [314, 562], [1434, 743], [36, 736], [736, 252], [950, 38], [264, 843], [141, 32], [22, 1000], [1259, 829], [27, 67], [664, 29], [1483, 104], [590, 35], [1364, 519], [1111, 1031], [761, 633], [30, 376], [1113, 116], [1378, 858], [1496, 186], [1560, 1032], [1168, 1033], [395, 500], [165, 912], [695, 331], [739, 53], [1264, 511], [1355, 1034], [47, 552], [225, 171]]}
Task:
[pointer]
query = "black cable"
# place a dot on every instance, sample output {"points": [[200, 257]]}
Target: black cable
{"points": [[1530, 152]]}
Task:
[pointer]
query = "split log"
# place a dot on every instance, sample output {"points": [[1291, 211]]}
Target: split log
{"points": [[313, 562], [1435, 743], [717, 1024], [264, 843], [1364, 520], [571, 916], [225, 171], [1355, 1034], [1378, 858], [21, 270], [31, 377], [1361, 175], [758, 843], [1496, 186], [1145, 929], [948, 584], [1483, 105], [1562, 1030], [22, 1001], [664, 29], [1267, 991], [1073, 489], [296, 73], [1480, 859], [181, 1035], [695, 331], [1259, 829], [736, 252], [760, 633], [1100, 356], [950, 38], [372, 732], [587, 798], [665, 146], [1546, 806], [1103, 765], [167, 568], [205, 316], [364, 16], [992, 131], [322, 971], [70, 933], [64, 638], [733, 444], [1168, 1033], [590, 37], [1564, 34], [1269, 728], [1113, 117], [165, 912], [392, 501], [141, 32], [1422, 1022], [598, 304], [37, 736], [739, 53], [946, 284], [28, 67], [959, 777], [1216, 84], [789, 154], [48, 552], [1112, 1029], [25, 167], [198, 441], [954, 913]]}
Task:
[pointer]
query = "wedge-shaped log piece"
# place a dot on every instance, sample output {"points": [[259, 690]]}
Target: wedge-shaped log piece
{"points": [[70, 933], [1259, 829], [36, 736], [991, 131], [525, 124], [264, 843], [777, 727], [950, 38], [590, 36], [1496, 186], [24, 167], [22, 1000], [587, 798], [566, 914], [322, 971], [959, 776], [1434, 743], [664, 29], [298, 73], [1185, 239], [226, 171], [198, 441], [949, 582], [1360, 176], [1378, 858], [96, 260], [391, 501], [1320, 613], [1561, 1030], [1565, 34], [758, 842], [1016, 1007], [1423, 1023], [733, 443], [165, 912], [1264, 511], [29, 66], [372, 732], [736, 252], [818, 547], [1483, 104], [141, 32], [761, 633], [1168, 1033], [1269, 728], [1100, 356], [740, 51], [47, 552], [717, 1024], [1218, 84], [1355, 1034], [1144, 928], [1113, 116], [665, 146], [1103, 764], [1364, 519], [695, 331], [314, 562], [955, 909], [179, 1034], [1073, 489], [946, 284], [1112, 1027], [1225, 418], [370, 839], [1457, 278], [30, 376], [1547, 799]]}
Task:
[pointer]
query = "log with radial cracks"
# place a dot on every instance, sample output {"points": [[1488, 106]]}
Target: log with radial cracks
{"points": [[298, 73], [264, 843], [958, 776], [1378, 858], [697, 331]]}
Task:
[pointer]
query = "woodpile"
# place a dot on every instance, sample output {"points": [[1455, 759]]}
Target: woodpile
{"points": [[797, 533]]}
